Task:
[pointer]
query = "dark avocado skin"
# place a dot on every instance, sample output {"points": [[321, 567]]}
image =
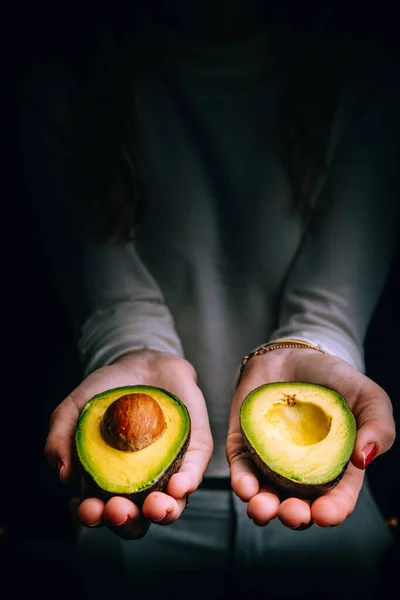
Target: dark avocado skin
{"points": [[91, 489], [287, 488]]}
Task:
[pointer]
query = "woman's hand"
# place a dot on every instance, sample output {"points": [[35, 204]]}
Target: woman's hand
{"points": [[375, 435], [119, 514]]}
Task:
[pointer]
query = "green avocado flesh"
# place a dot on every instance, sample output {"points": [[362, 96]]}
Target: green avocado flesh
{"points": [[301, 435], [128, 473]]}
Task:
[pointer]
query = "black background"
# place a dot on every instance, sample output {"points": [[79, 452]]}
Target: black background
{"points": [[40, 365]]}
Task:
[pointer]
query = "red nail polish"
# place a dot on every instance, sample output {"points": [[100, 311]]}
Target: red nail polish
{"points": [[369, 453], [60, 465]]}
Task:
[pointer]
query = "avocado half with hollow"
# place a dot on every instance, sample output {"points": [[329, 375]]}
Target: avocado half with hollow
{"points": [[300, 435], [131, 440]]}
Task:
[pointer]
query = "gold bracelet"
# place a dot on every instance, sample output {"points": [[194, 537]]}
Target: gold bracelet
{"points": [[274, 346]]}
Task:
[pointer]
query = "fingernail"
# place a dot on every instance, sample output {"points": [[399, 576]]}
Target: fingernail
{"points": [[368, 454], [124, 522], [60, 466], [303, 526], [94, 524], [162, 518]]}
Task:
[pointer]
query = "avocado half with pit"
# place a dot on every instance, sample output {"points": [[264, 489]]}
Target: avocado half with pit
{"points": [[131, 440], [300, 435]]}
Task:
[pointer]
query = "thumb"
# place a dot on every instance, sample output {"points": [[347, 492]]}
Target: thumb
{"points": [[59, 447], [376, 427]]}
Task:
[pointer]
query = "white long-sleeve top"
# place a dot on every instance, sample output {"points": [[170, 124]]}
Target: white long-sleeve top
{"points": [[224, 262]]}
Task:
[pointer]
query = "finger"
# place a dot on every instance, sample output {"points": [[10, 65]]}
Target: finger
{"points": [[376, 427], [333, 508], [124, 519], [200, 449], [244, 475], [194, 465], [263, 507], [162, 508], [90, 512], [59, 443], [295, 513]]}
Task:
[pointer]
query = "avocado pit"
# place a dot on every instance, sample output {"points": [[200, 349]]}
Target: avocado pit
{"points": [[133, 422]]}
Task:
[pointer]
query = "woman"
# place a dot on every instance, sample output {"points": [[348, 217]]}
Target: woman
{"points": [[239, 188]]}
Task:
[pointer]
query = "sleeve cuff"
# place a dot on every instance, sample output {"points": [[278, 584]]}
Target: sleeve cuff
{"points": [[108, 334], [347, 350]]}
